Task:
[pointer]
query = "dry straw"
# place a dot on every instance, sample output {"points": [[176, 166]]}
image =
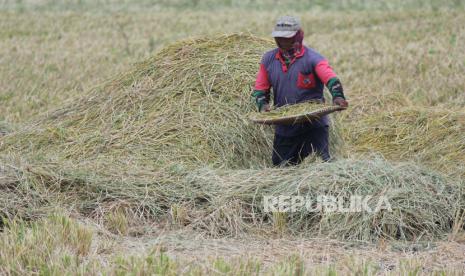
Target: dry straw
{"points": [[188, 104], [231, 202], [430, 136], [171, 139]]}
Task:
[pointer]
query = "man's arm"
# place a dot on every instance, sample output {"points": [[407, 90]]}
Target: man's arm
{"points": [[261, 92], [330, 79]]}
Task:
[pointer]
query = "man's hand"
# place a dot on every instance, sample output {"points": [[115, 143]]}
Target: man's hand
{"points": [[262, 100], [265, 108], [340, 102]]}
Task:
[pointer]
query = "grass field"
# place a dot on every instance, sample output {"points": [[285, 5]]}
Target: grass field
{"points": [[95, 179]]}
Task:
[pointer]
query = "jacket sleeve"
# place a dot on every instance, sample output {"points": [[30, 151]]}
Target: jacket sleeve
{"points": [[330, 79], [324, 71], [262, 87], [262, 82]]}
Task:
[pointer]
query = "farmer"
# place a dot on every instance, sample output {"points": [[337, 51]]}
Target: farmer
{"points": [[297, 74]]}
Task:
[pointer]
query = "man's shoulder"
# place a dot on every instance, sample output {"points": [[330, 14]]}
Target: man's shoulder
{"points": [[269, 55], [271, 52], [313, 54]]}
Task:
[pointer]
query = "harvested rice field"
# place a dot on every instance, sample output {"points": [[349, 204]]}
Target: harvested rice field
{"points": [[127, 145]]}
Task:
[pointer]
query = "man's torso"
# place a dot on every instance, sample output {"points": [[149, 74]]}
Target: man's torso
{"points": [[294, 84]]}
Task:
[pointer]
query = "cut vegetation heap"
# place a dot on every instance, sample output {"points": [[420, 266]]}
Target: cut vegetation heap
{"points": [[188, 104], [430, 136], [171, 140]]}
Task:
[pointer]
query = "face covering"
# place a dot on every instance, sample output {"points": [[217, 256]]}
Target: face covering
{"points": [[296, 47]]}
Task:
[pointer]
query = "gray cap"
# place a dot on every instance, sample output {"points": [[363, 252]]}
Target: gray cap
{"points": [[286, 26]]}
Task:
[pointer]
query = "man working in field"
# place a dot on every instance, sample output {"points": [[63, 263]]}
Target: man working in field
{"points": [[297, 74]]}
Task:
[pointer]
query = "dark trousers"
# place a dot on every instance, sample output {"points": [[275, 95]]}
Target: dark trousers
{"points": [[293, 150]]}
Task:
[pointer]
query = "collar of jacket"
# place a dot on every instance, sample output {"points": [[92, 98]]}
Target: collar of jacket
{"points": [[297, 55]]}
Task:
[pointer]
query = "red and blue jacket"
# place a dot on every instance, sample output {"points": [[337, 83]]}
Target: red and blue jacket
{"points": [[298, 80]]}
